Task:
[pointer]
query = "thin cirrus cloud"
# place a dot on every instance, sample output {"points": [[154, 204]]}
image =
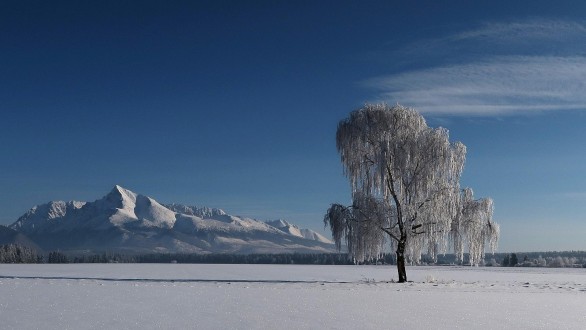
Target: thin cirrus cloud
{"points": [[499, 69]]}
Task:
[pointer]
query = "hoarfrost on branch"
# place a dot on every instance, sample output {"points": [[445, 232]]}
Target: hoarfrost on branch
{"points": [[405, 180]]}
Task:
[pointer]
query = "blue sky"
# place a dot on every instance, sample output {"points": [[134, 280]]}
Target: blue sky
{"points": [[235, 104]]}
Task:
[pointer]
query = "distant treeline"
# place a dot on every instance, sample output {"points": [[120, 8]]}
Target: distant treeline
{"points": [[554, 259], [20, 254], [16, 254], [219, 258]]}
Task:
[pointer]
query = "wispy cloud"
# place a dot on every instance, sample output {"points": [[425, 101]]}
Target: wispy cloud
{"points": [[501, 68], [498, 86], [525, 32]]}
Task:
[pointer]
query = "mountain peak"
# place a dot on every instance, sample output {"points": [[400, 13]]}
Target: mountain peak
{"points": [[122, 190], [202, 212], [280, 223], [121, 194], [43, 214], [289, 228]]}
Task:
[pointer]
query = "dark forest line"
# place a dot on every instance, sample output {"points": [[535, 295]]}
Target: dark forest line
{"points": [[14, 253]]}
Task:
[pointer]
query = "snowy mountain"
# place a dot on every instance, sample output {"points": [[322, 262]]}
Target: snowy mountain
{"points": [[292, 229], [129, 222]]}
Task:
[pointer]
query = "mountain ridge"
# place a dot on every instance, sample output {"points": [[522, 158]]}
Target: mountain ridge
{"points": [[125, 221]]}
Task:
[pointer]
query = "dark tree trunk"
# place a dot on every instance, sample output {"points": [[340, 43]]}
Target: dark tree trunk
{"points": [[401, 262]]}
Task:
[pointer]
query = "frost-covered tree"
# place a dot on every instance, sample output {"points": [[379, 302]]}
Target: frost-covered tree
{"points": [[473, 225], [405, 185], [541, 262], [16, 254]]}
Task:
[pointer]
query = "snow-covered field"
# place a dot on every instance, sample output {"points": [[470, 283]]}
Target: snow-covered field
{"points": [[175, 296]]}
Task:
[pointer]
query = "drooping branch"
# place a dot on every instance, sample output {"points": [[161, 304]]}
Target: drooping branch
{"points": [[359, 226], [405, 181], [474, 227]]}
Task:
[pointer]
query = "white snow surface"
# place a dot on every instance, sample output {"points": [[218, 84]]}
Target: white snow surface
{"points": [[176, 296]]}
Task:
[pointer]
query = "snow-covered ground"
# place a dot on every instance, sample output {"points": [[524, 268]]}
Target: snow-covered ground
{"points": [[175, 296]]}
